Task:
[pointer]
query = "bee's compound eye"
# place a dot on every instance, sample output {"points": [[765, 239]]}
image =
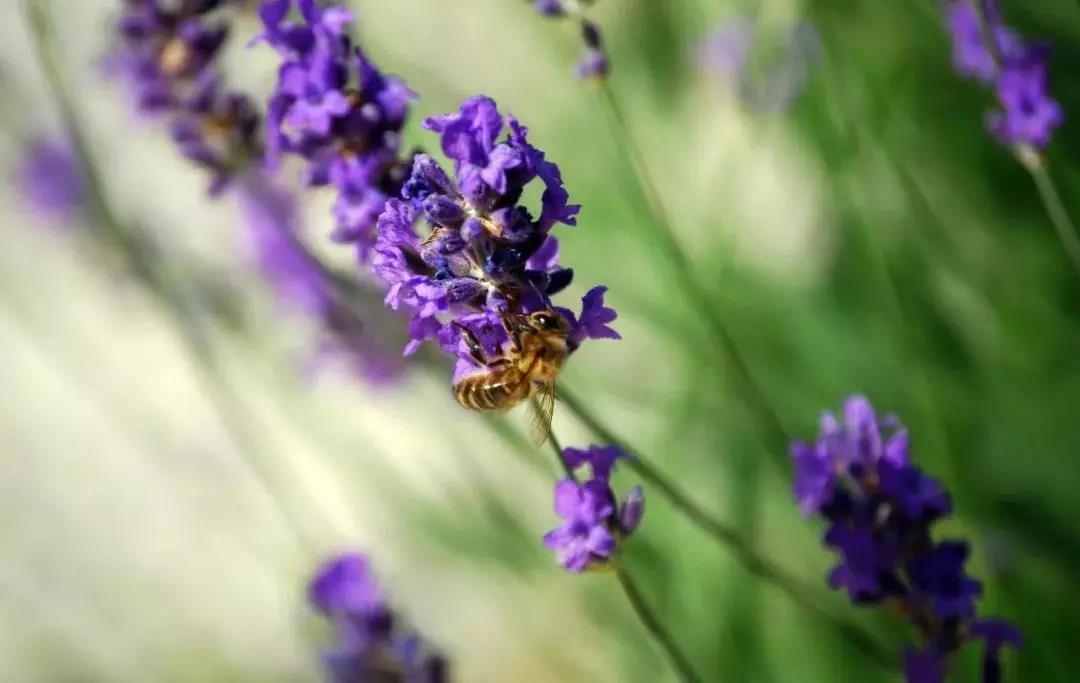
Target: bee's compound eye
{"points": [[546, 321]]}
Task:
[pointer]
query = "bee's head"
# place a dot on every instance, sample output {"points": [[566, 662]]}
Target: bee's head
{"points": [[548, 321]]}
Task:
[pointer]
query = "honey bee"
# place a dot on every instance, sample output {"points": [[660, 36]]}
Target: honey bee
{"points": [[539, 345]]}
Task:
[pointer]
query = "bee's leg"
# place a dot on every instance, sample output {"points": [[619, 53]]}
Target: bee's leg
{"points": [[511, 329], [476, 350]]}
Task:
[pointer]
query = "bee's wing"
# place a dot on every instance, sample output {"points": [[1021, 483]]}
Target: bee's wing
{"points": [[541, 408]]}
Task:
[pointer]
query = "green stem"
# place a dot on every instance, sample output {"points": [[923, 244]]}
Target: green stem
{"points": [[1055, 209], [641, 609], [689, 281], [744, 549], [656, 628]]}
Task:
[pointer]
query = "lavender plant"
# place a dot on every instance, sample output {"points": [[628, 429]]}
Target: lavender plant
{"points": [[169, 53], [370, 645], [482, 254], [49, 181], [335, 109], [595, 65], [992, 53], [880, 510]]}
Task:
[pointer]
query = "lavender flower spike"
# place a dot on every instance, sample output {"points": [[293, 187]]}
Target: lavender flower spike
{"points": [[480, 253], [994, 54], [168, 52], [595, 523], [49, 180], [335, 109], [880, 509], [595, 64], [370, 644]]}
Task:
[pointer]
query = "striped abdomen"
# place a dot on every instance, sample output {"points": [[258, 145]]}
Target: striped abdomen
{"points": [[492, 390]]}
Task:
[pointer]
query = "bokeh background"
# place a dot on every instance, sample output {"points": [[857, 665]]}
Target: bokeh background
{"points": [[161, 508]]}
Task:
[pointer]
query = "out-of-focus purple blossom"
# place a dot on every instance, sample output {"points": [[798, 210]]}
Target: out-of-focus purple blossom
{"points": [[49, 181], [272, 219], [595, 65], [335, 109], [370, 645], [996, 55], [480, 254], [595, 523], [550, 8], [168, 51], [880, 509], [970, 54], [726, 54], [1028, 115]]}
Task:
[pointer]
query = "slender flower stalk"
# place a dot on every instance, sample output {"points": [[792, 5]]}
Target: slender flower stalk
{"points": [[744, 549], [681, 264], [656, 627], [992, 53], [880, 510], [596, 527], [684, 271]]}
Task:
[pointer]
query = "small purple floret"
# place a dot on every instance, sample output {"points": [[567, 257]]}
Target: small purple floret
{"points": [[594, 522]]}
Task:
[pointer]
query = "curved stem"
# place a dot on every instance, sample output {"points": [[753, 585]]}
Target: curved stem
{"points": [[730, 537], [1055, 209], [655, 627], [641, 609], [684, 271]]}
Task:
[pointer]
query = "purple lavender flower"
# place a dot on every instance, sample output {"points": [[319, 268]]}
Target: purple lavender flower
{"points": [[970, 54], [273, 222], [370, 645], [482, 253], [1028, 115], [594, 66], [336, 110], [594, 522], [49, 180], [880, 509], [168, 52]]}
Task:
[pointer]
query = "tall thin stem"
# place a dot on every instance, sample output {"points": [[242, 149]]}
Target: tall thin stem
{"points": [[641, 609], [728, 536], [655, 627], [1055, 209], [684, 271]]}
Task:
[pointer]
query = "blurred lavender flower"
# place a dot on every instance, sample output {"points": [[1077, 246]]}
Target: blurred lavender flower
{"points": [[994, 54], [335, 109], [595, 65], [273, 222], [880, 509], [483, 253], [594, 521], [370, 647], [167, 51], [49, 181], [726, 55]]}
